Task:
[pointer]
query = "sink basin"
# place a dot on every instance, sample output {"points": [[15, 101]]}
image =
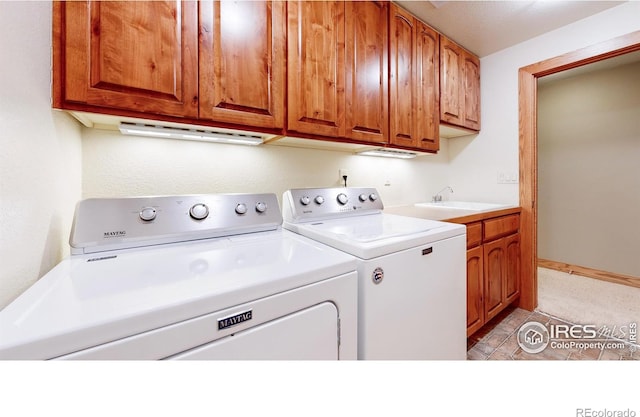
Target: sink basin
{"points": [[461, 205]]}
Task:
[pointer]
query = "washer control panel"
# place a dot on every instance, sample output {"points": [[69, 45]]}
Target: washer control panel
{"points": [[102, 224], [306, 204]]}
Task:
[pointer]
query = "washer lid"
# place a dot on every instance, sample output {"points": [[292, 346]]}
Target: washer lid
{"points": [[376, 235], [89, 300]]}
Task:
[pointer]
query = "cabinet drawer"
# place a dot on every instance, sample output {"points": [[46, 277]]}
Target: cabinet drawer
{"points": [[474, 234], [501, 226]]}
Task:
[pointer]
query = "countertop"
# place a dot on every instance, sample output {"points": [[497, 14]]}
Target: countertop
{"points": [[451, 215]]}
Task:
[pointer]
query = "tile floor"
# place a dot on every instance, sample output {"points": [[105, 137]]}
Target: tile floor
{"points": [[498, 340]]}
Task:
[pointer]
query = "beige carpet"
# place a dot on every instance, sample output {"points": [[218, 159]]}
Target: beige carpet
{"points": [[583, 300]]}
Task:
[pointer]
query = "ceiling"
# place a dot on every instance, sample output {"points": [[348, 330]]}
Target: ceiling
{"points": [[485, 27]]}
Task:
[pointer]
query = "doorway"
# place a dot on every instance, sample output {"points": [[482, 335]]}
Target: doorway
{"points": [[528, 142]]}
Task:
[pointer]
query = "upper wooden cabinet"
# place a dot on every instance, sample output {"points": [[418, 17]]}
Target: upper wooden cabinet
{"points": [[365, 72], [414, 86], [242, 62], [139, 56], [337, 69], [459, 86]]}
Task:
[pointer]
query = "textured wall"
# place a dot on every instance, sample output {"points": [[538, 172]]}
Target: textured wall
{"points": [[588, 172], [116, 165], [40, 161]]}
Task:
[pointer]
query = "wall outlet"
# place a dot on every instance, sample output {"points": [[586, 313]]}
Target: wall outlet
{"points": [[341, 173]]}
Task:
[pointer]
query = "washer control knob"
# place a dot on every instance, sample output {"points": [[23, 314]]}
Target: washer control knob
{"points": [[261, 207], [342, 198], [199, 211], [305, 200], [373, 196], [147, 214], [241, 208], [362, 198], [319, 199]]}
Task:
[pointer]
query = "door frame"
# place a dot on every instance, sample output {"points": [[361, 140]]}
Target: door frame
{"points": [[528, 134]]}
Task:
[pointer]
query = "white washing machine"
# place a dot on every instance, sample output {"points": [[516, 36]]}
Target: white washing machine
{"points": [[187, 277], [411, 272]]}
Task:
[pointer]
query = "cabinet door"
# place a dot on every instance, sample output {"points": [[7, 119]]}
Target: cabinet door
{"points": [[242, 62], [459, 86], [451, 97], [512, 268], [402, 99], [366, 79], [475, 290], [132, 56], [471, 83], [414, 84], [494, 276], [315, 62], [428, 89]]}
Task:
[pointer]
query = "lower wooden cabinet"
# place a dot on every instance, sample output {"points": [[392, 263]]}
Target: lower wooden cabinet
{"points": [[475, 289], [493, 268]]}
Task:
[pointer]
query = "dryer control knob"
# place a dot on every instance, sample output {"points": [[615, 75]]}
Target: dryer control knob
{"points": [[147, 214], [305, 200], [199, 211], [261, 207], [373, 196], [319, 199], [362, 198], [241, 208], [342, 198]]}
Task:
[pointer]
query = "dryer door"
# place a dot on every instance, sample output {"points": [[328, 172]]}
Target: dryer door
{"points": [[308, 334]]}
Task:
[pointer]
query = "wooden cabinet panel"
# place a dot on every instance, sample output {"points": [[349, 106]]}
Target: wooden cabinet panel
{"points": [[139, 56], [494, 276], [471, 82], [512, 268], [242, 62], [501, 226], [337, 60], [450, 82], [475, 290], [414, 85], [474, 234], [316, 61], [428, 85], [366, 78], [401, 76], [459, 86]]}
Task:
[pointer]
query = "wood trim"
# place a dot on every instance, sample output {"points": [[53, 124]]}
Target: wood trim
{"points": [[57, 83], [527, 102], [584, 271]]}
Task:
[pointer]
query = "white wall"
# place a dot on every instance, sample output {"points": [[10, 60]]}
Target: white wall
{"points": [[40, 165], [40, 162], [474, 163], [116, 165], [588, 172]]}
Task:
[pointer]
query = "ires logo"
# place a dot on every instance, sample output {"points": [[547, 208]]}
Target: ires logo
{"points": [[534, 337], [560, 331]]}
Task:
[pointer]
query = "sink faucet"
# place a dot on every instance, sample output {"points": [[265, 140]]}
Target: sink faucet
{"points": [[438, 196]]}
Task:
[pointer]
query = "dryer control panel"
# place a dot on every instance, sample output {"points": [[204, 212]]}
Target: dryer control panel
{"points": [[101, 224], [308, 204]]}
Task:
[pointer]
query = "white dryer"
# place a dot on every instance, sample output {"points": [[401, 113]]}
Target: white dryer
{"points": [[411, 272], [187, 277]]}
